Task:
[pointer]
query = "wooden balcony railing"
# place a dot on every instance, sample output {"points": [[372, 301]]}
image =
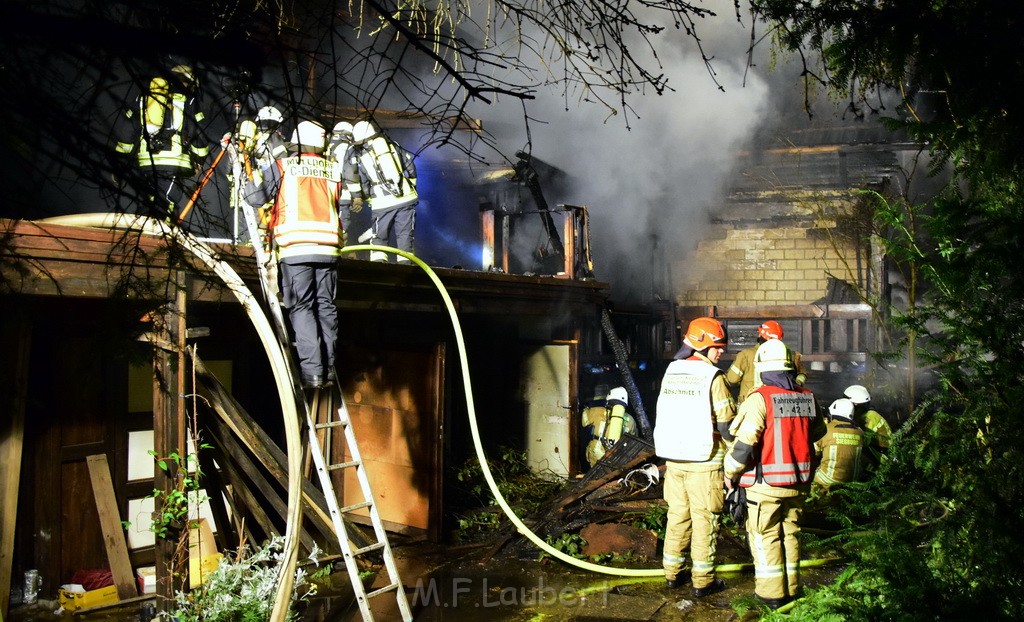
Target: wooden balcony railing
{"points": [[827, 336]]}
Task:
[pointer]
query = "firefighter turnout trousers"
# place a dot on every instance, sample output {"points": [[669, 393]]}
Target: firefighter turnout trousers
{"points": [[773, 525], [695, 499]]}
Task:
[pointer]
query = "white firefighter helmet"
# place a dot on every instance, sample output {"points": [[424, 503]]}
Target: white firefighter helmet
{"points": [[186, 75], [309, 136], [269, 115], [773, 355], [842, 408], [618, 394], [342, 129], [363, 131], [857, 394]]}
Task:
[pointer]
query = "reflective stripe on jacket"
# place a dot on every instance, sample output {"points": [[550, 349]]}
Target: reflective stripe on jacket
{"points": [[840, 451], [785, 456], [304, 218], [163, 139]]}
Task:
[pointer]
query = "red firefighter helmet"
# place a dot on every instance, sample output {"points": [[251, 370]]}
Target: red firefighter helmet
{"points": [[770, 330]]}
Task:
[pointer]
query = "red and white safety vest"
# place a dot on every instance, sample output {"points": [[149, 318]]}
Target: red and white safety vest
{"points": [[786, 447], [305, 214]]}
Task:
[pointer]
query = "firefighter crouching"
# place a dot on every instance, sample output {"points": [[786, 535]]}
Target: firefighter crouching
{"points": [[771, 458], [839, 449]]}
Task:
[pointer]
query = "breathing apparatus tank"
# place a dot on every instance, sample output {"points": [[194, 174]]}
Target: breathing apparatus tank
{"points": [[609, 422]]}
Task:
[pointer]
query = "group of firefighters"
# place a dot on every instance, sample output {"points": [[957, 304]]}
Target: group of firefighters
{"points": [[310, 187], [769, 452]]}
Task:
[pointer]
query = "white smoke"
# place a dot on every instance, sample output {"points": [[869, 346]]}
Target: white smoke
{"points": [[649, 188]]}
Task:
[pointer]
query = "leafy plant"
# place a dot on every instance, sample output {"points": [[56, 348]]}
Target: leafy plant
{"points": [[173, 505], [524, 490], [653, 519], [571, 544], [241, 589]]}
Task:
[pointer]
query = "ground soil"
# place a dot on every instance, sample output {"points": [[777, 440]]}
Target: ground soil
{"points": [[476, 582]]}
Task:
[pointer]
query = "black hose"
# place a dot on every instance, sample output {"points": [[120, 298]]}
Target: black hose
{"points": [[621, 362]]}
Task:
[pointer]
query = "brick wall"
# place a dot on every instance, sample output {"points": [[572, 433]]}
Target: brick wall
{"points": [[785, 265]]}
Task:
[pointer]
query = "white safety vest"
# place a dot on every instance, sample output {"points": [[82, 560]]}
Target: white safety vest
{"points": [[683, 429]]}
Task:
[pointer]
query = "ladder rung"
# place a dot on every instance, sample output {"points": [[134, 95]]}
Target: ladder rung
{"points": [[330, 424], [356, 506], [369, 548], [383, 590], [343, 465]]}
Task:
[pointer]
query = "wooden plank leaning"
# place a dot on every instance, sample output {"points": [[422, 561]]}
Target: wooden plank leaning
{"points": [[110, 522]]}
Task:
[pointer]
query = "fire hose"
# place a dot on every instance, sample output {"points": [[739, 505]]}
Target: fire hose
{"points": [[482, 457], [288, 397], [286, 390]]}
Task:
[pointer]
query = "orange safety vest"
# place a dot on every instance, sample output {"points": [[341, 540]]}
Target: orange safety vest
{"points": [[786, 447], [304, 218]]}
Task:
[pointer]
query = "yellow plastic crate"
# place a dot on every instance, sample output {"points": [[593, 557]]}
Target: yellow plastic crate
{"points": [[72, 601]]}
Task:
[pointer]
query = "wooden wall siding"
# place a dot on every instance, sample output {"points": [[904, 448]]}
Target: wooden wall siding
{"points": [[395, 404], [67, 277], [15, 334], [59, 531], [825, 333]]}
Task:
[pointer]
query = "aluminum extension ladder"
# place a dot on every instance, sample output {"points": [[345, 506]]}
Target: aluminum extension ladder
{"points": [[321, 437]]}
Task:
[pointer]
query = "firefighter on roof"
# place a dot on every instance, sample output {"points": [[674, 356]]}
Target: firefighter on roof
{"points": [[388, 176], [163, 135], [341, 149]]}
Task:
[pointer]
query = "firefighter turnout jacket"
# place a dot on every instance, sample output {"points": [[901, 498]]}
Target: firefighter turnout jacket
{"points": [[164, 129], [307, 192], [741, 373], [773, 448], [840, 450]]}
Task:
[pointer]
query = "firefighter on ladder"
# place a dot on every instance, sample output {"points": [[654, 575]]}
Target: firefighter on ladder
{"points": [[307, 193], [163, 133]]}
